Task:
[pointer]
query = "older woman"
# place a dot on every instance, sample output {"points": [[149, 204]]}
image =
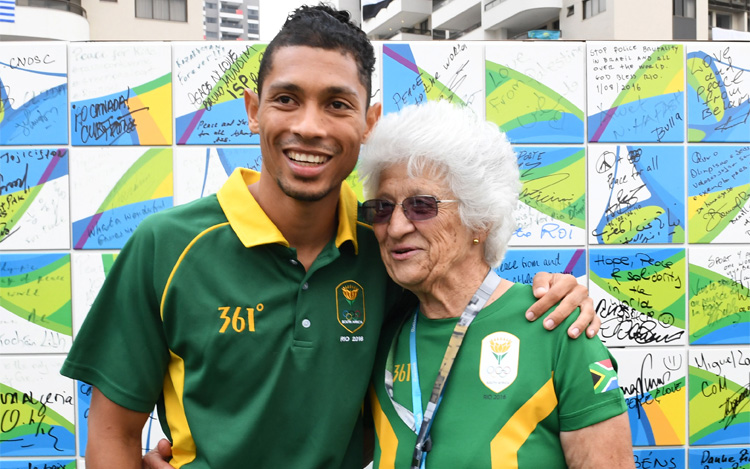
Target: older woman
{"points": [[464, 380]]}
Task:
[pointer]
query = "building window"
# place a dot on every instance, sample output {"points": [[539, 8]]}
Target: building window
{"points": [[571, 10], [723, 20], [169, 10], [210, 6], [684, 8], [212, 35], [593, 7], [210, 19]]}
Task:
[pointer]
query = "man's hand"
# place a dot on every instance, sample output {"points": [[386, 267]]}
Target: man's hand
{"points": [[563, 288], [157, 458]]}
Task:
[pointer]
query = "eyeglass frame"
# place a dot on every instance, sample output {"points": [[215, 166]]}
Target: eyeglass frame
{"points": [[406, 210]]}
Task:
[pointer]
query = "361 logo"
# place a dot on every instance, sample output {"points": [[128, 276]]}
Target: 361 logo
{"points": [[240, 319]]}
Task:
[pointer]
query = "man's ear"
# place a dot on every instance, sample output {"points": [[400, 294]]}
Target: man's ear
{"points": [[371, 118], [252, 104]]}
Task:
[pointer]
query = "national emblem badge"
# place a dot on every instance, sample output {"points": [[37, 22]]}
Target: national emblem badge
{"points": [[498, 361], [350, 305]]}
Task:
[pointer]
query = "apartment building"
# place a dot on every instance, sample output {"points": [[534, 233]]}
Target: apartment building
{"points": [[257, 20], [231, 20], [33, 20], [103, 20], [412, 20]]}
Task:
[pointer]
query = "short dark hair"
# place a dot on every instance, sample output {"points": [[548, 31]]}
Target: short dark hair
{"points": [[322, 26]]}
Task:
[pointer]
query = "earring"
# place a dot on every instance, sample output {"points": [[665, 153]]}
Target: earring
{"points": [[476, 241]]}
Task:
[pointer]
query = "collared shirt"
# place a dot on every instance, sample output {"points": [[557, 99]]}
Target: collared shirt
{"points": [[253, 361]]}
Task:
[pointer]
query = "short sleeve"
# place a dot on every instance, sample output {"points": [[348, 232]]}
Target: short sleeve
{"points": [[586, 383], [121, 348]]}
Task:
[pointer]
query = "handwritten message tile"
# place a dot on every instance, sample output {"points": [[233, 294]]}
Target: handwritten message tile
{"points": [[719, 458], [210, 79], [34, 199], [639, 294], [535, 91], [150, 436], [654, 383], [39, 464], [114, 189], [636, 194], [636, 91], [719, 193], [33, 93], [718, 94], [89, 271], [35, 313], [719, 295], [719, 381], [38, 410], [520, 265], [659, 458], [418, 72], [120, 93], [552, 203], [201, 171]]}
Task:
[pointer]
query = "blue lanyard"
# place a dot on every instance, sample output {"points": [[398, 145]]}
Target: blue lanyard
{"points": [[422, 426], [416, 391]]}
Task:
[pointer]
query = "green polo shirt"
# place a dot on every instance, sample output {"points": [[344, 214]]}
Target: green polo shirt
{"points": [[513, 388], [253, 361]]}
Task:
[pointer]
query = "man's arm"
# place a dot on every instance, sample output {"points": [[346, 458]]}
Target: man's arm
{"points": [[604, 444], [114, 438], [563, 288]]}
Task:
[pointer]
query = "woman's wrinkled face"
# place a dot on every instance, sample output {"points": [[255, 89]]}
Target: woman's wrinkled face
{"points": [[420, 254]]}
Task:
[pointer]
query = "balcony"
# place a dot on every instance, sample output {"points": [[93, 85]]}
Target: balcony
{"points": [[408, 34], [399, 14], [47, 19], [230, 28], [730, 4], [230, 14], [61, 5], [519, 15], [456, 15]]}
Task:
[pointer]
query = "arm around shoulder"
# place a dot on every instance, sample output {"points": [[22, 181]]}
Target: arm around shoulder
{"points": [[565, 289], [114, 436], [604, 444]]}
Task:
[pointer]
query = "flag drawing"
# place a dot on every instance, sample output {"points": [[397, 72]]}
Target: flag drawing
{"points": [[604, 376]]}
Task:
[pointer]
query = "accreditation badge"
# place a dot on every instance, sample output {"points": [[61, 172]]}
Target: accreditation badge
{"points": [[498, 363], [350, 305]]}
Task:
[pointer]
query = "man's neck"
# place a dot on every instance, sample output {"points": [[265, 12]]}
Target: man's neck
{"points": [[307, 226]]}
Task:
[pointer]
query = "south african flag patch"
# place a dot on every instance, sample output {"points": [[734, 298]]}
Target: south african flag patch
{"points": [[604, 376]]}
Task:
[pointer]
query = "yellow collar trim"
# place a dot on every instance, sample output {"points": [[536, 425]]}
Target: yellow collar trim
{"points": [[253, 227]]}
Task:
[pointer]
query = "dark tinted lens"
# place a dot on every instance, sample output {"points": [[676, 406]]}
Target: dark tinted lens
{"points": [[420, 207], [377, 211]]}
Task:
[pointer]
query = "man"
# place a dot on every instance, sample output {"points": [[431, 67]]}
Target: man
{"points": [[251, 317]]}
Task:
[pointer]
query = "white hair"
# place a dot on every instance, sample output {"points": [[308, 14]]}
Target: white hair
{"points": [[473, 157]]}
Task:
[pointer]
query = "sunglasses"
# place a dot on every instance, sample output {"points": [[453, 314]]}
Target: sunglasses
{"points": [[416, 208]]}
